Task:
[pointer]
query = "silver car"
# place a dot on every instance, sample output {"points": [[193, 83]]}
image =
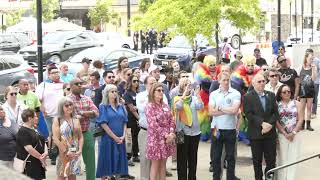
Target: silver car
{"points": [[12, 69]]}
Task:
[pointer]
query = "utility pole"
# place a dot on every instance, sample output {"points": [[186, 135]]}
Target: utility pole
{"points": [[279, 21], [296, 19], [302, 7], [312, 16], [128, 17], [217, 43], [39, 41]]}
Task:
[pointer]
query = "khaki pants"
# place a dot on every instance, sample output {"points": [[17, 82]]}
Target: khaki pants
{"points": [[145, 163]]}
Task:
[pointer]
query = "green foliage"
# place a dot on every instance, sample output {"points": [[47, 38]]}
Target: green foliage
{"points": [[49, 7], [199, 16], [13, 17], [102, 13], [145, 4]]}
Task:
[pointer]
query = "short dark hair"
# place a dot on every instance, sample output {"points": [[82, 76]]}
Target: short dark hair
{"points": [[26, 114], [98, 64], [96, 75], [181, 72], [201, 57], [51, 68], [309, 50], [105, 73]]}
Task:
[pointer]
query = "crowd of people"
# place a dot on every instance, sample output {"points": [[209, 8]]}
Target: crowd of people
{"points": [[101, 122]]}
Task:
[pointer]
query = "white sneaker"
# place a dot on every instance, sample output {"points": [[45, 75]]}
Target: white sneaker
{"points": [[174, 166]]}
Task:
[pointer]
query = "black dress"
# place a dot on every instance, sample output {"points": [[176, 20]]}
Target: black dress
{"points": [[307, 85], [27, 136]]}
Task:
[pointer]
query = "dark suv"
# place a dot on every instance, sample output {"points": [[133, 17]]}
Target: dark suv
{"points": [[9, 42], [59, 46]]}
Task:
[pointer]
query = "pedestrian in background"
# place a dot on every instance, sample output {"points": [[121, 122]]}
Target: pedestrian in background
{"points": [[65, 76], [135, 40], [288, 126], [226, 51], [161, 128]]}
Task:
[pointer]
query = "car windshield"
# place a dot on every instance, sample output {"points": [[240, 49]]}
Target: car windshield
{"points": [[179, 42], [97, 53], [55, 38]]}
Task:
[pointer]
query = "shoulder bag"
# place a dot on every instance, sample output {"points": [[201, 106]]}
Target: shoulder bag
{"points": [[20, 165], [53, 152]]}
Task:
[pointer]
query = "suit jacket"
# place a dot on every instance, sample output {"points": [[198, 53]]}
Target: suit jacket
{"points": [[255, 114]]}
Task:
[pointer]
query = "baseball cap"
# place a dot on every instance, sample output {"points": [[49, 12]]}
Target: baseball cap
{"points": [[86, 60], [50, 62], [154, 67]]}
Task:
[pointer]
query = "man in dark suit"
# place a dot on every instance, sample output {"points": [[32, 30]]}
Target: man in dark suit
{"points": [[261, 110]]}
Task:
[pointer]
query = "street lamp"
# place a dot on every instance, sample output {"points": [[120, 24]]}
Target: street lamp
{"points": [[60, 8]]}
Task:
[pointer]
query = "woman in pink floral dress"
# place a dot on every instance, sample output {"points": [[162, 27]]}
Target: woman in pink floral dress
{"points": [[161, 136]]}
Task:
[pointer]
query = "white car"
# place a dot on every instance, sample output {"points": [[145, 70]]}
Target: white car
{"points": [[114, 40]]}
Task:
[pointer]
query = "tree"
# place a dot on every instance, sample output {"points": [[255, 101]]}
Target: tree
{"points": [[49, 7], [199, 16], [13, 17], [102, 13], [145, 4]]}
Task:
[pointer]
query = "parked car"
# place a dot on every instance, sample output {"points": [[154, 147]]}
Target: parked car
{"points": [[59, 46], [181, 50], [115, 40], [9, 42], [107, 56], [13, 68], [23, 39]]}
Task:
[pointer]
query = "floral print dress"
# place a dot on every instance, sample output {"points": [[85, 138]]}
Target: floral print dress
{"points": [[160, 123], [288, 115]]}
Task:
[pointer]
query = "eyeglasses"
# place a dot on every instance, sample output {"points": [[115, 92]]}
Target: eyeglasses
{"points": [[68, 105], [273, 75], [78, 83], [261, 81], [111, 77], [159, 90], [286, 92], [135, 81], [13, 94]]}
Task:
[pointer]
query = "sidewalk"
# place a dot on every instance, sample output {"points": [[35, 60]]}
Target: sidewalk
{"points": [[308, 170]]}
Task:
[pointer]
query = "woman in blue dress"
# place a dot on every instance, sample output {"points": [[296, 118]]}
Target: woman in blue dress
{"points": [[112, 159]]}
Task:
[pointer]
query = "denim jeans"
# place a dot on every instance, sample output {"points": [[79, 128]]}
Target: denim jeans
{"points": [[315, 99]]}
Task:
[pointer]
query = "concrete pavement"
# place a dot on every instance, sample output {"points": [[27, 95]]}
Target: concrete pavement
{"points": [[308, 170]]}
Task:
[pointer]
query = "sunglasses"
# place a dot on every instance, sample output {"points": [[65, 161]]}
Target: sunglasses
{"points": [[111, 77], [68, 89], [261, 81], [273, 75], [286, 92], [135, 81], [78, 83], [159, 90], [68, 105], [13, 94]]}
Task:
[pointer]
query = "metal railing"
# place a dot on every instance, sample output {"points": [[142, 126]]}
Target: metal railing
{"points": [[269, 175]]}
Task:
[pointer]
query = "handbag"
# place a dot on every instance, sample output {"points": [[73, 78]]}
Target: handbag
{"points": [[53, 152], [20, 165], [180, 137], [98, 131]]}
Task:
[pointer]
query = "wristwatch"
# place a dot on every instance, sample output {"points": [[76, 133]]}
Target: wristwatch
{"points": [[294, 132]]}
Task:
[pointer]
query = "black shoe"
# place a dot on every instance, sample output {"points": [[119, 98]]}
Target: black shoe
{"points": [[130, 163], [211, 169], [236, 178], [309, 126], [128, 176], [53, 162], [303, 125], [168, 174], [136, 159]]}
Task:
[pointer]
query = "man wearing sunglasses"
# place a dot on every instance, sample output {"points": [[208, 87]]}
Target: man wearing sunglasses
{"points": [[273, 76], [109, 78], [261, 110]]}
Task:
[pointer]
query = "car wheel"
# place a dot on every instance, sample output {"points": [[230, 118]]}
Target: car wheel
{"points": [[55, 58], [235, 41], [126, 46]]}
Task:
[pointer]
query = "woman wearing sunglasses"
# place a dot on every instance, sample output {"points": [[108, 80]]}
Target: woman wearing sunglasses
{"points": [[273, 77], [290, 122], [161, 132], [68, 137], [12, 107]]}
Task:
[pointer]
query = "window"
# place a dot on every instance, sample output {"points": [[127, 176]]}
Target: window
{"points": [[115, 55], [13, 62], [307, 23], [129, 54]]}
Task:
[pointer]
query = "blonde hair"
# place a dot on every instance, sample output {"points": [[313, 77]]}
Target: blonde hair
{"points": [[249, 60], [209, 59], [152, 90], [7, 90], [105, 94], [182, 83]]}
